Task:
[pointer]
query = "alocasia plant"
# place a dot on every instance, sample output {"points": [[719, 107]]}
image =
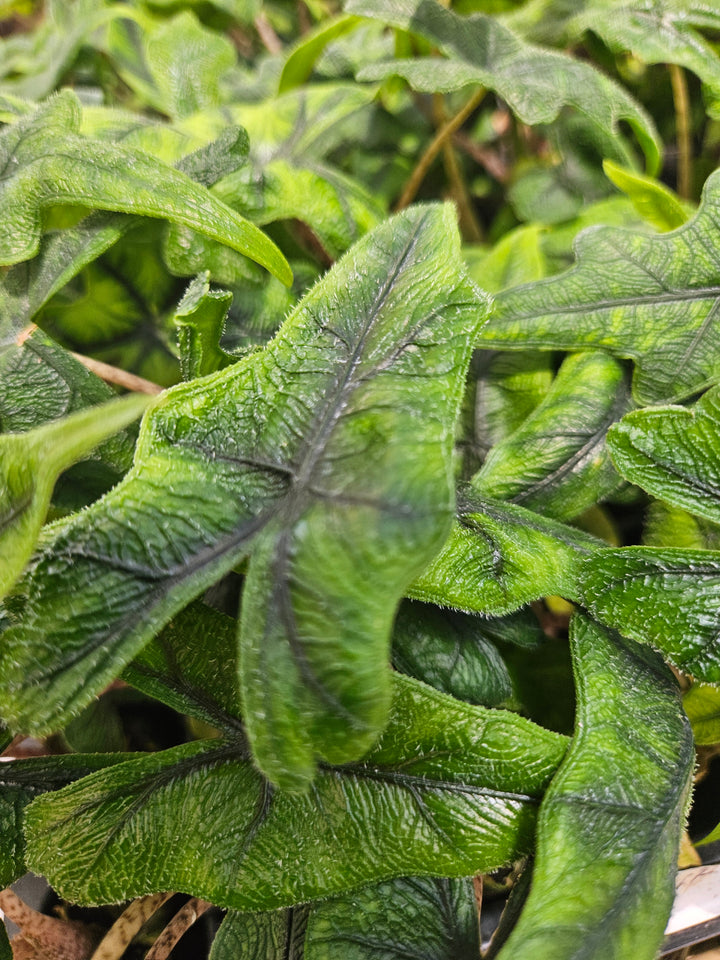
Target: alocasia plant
{"points": [[383, 536]]}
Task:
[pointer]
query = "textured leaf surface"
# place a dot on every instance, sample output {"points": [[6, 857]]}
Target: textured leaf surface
{"points": [[655, 32], [301, 60], [449, 789], [667, 598], [408, 917], [452, 652], [52, 164], [612, 817], [651, 299], [336, 443], [23, 780], [31, 462], [673, 453], [290, 174], [275, 935], [500, 557], [556, 462], [536, 83]]}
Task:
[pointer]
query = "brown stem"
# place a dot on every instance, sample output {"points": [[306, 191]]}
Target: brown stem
{"points": [[48, 936], [478, 891], [180, 924], [120, 378], [486, 158], [116, 940], [466, 215], [434, 148], [681, 99], [271, 41]]}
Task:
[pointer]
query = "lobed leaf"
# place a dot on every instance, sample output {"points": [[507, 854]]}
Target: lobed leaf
{"points": [[535, 83], [449, 789], [556, 462], [673, 453], [667, 598], [52, 164], [651, 299], [500, 557], [331, 451], [200, 321], [612, 817]]}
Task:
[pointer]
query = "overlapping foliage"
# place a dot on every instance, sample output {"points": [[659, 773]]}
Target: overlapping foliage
{"points": [[429, 500]]}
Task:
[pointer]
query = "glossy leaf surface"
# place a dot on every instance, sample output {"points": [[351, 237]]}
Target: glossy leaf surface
{"points": [[655, 202], [651, 299], [536, 83], [612, 817], [667, 598], [274, 935], [449, 789], [52, 164], [336, 443], [491, 563], [556, 462], [674, 453]]}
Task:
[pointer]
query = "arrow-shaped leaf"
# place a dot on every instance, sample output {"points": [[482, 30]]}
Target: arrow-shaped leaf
{"points": [[47, 162], [673, 453], [329, 454], [651, 299], [609, 825], [536, 83], [450, 789]]}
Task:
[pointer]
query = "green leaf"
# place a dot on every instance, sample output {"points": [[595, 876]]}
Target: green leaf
{"points": [[509, 387], [452, 652], [176, 66], [52, 164], [450, 789], [702, 706], [516, 258], [277, 935], [305, 53], [651, 299], [673, 453], [186, 667], [23, 780], [290, 175], [668, 526], [536, 83], [331, 450], [655, 32], [489, 564], [556, 462], [655, 202], [610, 823], [200, 320], [31, 462], [408, 917], [667, 598]]}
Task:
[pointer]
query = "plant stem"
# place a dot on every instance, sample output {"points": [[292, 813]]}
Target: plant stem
{"points": [[270, 39], [121, 378], [56, 938], [468, 221], [116, 940], [434, 148], [180, 924], [681, 100]]}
